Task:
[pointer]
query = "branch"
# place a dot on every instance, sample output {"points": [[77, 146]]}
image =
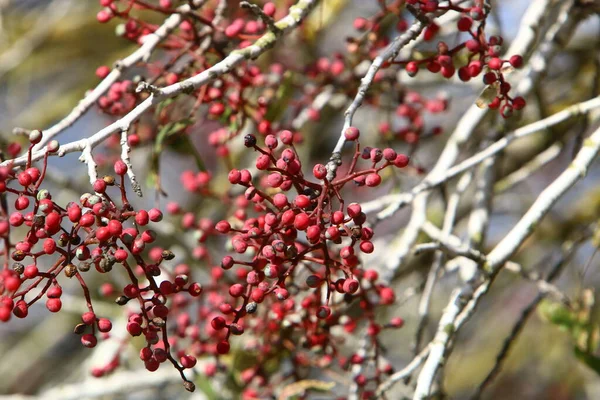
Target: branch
{"points": [[525, 314], [143, 53], [403, 373], [125, 149], [459, 312], [530, 29], [391, 51], [296, 15], [35, 36]]}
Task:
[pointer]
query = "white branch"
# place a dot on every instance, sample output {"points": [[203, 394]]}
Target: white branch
{"points": [[457, 313], [296, 15], [125, 149], [143, 53], [530, 28], [391, 51], [404, 372]]}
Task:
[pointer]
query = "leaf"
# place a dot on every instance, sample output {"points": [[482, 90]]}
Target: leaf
{"points": [[203, 384], [162, 105], [558, 314], [282, 97], [298, 388], [487, 95], [326, 13], [588, 359], [164, 137]]}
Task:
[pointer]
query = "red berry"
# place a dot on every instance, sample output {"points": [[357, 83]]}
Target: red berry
{"points": [[373, 180], [103, 234], [223, 347], [302, 221], [104, 325], [366, 247], [120, 168], [155, 215], [320, 171], [464, 24], [412, 68], [516, 61], [53, 305], [223, 227], [351, 133], [142, 218], [495, 63], [102, 71], [103, 16], [350, 285]]}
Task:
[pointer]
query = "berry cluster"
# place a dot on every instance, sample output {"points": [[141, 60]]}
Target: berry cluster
{"points": [[290, 286]]}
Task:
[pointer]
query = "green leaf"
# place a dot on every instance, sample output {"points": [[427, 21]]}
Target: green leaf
{"points": [[588, 359], [167, 134], [558, 314], [162, 105], [203, 384], [282, 97]]}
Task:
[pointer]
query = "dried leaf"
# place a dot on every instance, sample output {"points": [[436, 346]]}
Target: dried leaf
{"points": [[298, 388]]}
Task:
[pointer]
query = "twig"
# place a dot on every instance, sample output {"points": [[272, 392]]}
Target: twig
{"points": [[404, 372], [449, 219], [451, 243], [256, 10], [391, 51], [296, 15], [457, 313], [528, 169], [518, 326], [143, 53], [125, 149], [529, 31]]}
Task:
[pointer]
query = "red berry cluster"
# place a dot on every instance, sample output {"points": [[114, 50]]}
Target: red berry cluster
{"points": [[94, 232], [291, 282], [483, 55]]}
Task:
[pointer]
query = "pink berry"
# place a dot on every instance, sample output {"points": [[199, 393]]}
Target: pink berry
{"points": [[351, 133]]}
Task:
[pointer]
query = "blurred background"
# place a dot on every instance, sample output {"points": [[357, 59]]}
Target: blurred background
{"points": [[49, 51]]}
